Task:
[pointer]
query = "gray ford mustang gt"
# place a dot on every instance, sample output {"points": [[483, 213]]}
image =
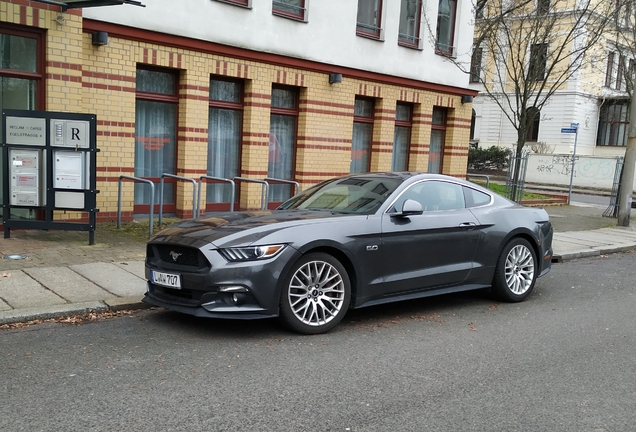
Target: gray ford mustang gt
{"points": [[349, 242]]}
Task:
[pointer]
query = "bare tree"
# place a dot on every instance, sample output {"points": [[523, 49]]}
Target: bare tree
{"points": [[623, 41], [532, 48]]}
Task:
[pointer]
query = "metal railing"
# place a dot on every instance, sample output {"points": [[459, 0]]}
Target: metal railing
{"points": [[218, 180], [194, 193], [480, 176], [264, 189], [283, 181], [152, 200]]}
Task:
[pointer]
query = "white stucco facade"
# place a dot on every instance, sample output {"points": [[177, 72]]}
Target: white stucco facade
{"points": [[564, 108], [327, 36]]}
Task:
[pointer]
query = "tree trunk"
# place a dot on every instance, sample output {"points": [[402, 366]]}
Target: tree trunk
{"points": [[627, 180]]}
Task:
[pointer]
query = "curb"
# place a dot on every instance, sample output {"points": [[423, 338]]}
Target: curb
{"points": [[59, 311]]}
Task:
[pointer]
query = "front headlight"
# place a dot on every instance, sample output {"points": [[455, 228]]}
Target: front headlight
{"points": [[251, 253]]}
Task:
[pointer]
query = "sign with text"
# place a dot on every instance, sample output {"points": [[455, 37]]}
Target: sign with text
{"points": [[28, 131]]}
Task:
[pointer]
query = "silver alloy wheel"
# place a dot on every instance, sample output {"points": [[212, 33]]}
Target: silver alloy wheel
{"points": [[316, 293], [519, 269]]}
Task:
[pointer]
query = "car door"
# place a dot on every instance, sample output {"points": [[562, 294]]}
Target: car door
{"points": [[430, 250]]}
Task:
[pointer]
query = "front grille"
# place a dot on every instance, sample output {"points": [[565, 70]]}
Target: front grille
{"points": [[179, 255], [184, 297]]}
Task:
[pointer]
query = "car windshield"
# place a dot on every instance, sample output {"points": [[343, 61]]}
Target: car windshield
{"points": [[356, 195]]}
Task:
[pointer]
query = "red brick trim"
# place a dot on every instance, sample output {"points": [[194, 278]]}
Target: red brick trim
{"points": [[179, 42], [106, 76], [258, 174], [115, 169], [114, 123]]}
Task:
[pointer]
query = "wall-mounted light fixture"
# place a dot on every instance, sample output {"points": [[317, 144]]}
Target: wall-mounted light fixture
{"points": [[100, 38], [335, 78], [467, 99]]}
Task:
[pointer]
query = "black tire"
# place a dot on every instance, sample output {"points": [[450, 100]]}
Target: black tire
{"points": [[516, 271], [315, 295]]}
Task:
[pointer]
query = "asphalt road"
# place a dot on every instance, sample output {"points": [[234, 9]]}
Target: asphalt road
{"points": [[561, 361]]}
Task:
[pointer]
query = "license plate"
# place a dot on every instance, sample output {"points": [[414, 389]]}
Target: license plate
{"points": [[166, 279]]}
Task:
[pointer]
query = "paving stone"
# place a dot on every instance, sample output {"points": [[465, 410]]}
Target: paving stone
{"points": [[137, 268], [21, 291], [112, 278], [68, 284]]}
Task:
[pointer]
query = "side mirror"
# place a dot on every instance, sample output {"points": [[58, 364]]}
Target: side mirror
{"points": [[409, 208]]}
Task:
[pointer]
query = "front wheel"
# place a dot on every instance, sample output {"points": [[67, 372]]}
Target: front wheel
{"points": [[315, 295], [516, 271]]}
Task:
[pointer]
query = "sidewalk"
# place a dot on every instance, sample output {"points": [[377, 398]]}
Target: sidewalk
{"points": [[61, 275]]}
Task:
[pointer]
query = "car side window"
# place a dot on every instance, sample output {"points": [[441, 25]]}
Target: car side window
{"points": [[433, 195], [475, 198]]}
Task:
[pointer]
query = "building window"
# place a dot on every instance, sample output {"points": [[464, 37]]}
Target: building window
{"points": [[534, 118], [290, 9], [409, 30], [155, 136], [613, 124], [246, 3], [543, 7], [369, 22], [224, 139], [402, 137], [446, 13], [438, 138], [282, 141], [538, 62], [620, 73], [21, 81], [362, 135], [475, 65], [480, 9], [624, 14], [609, 75]]}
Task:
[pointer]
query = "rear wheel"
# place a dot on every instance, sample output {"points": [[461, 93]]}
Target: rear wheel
{"points": [[315, 295], [516, 271]]}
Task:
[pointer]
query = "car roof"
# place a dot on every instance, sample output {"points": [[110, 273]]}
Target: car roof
{"points": [[405, 175]]}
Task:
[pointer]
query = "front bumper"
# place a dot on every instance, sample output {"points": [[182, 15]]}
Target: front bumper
{"points": [[202, 288]]}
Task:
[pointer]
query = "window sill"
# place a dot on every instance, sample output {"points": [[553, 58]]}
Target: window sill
{"points": [[369, 36], [244, 4], [449, 54], [411, 45], [289, 16]]}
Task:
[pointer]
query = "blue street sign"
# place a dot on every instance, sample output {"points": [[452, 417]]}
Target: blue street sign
{"points": [[574, 125], [568, 130]]}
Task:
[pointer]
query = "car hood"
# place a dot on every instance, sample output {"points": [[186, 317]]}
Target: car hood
{"points": [[227, 229]]}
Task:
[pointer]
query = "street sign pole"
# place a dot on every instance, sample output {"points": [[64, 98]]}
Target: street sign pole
{"points": [[574, 126]]}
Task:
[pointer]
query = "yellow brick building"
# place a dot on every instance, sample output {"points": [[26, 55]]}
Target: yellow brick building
{"points": [[74, 73]]}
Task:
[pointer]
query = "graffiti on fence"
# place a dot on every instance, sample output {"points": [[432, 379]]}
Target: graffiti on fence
{"points": [[589, 171], [560, 164]]}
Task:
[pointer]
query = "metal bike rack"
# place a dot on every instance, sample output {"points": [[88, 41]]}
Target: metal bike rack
{"points": [[292, 182], [480, 176], [152, 200], [194, 194], [218, 180], [264, 189]]}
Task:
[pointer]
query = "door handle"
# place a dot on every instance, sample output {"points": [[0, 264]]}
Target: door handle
{"points": [[469, 225]]}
